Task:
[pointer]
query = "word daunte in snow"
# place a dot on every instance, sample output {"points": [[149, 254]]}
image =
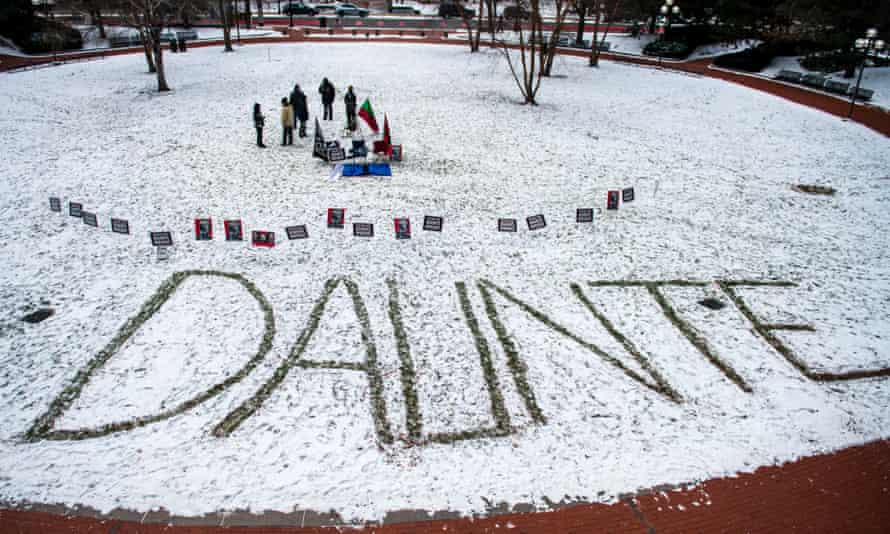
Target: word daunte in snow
{"points": [[650, 377]]}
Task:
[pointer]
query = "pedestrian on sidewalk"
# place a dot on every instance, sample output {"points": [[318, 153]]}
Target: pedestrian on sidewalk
{"points": [[258, 122], [326, 89], [349, 99], [301, 110], [287, 122]]}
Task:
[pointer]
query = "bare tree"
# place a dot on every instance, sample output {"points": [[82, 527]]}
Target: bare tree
{"points": [[548, 52], [259, 12], [594, 45], [581, 7], [148, 17], [467, 17], [224, 12], [528, 73]]}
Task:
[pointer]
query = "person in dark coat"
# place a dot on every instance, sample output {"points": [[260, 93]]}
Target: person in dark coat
{"points": [[301, 110], [349, 99], [258, 122], [326, 89]]}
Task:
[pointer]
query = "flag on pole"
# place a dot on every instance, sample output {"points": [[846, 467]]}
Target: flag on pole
{"points": [[385, 146], [367, 114]]}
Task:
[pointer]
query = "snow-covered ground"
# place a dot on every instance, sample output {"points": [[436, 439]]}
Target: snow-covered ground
{"points": [[712, 165], [92, 39], [875, 78]]}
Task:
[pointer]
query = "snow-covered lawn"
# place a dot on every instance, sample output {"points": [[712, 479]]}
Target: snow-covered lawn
{"points": [[875, 78], [712, 165]]}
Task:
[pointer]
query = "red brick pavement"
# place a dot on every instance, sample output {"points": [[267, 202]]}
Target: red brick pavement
{"points": [[848, 491]]}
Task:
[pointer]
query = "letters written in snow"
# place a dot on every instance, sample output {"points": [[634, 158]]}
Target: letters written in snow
{"points": [[506, 225], [261, 238], [336, 217], [120, 226], [627, 194], [432, 223], [75, 209], [536, 222], [584, 215], [363, 230], [161, 239], [55, 204], [90, 219], [297, 232], [612, 200]]}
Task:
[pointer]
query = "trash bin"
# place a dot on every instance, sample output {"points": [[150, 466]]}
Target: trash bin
{"points": [[323, 22]]}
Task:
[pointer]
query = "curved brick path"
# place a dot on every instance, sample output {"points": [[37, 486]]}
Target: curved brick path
{"points": [[848, 491], [844, 492]]}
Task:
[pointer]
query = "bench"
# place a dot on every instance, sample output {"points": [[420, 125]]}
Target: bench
{"points": [[789, 76], [862, 94], [814, 80], [121, 41], [837, 87]]}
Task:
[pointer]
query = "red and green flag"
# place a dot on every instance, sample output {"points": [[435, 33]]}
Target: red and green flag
{"points": [[367, 114]]}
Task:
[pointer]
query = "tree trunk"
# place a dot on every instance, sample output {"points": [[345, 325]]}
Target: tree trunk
{"points": [[579, 35], [97, 19], [594, 44], [259, 12], [248, 13], [226, 24], [159, 60], [146, 47]]}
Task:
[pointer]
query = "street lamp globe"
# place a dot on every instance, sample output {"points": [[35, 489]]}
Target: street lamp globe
{"points": [[879, 44], [861, 43], [871, 33], [664, 10], [676, 10], [669, 2]]}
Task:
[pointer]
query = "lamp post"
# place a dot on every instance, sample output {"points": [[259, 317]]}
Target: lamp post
{"points": [[865, 45], [669, 9]]}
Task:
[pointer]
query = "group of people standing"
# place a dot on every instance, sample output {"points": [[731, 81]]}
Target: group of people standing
{"points": [[295, 112]]}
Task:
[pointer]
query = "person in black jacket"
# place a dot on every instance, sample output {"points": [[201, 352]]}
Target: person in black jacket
{"points": [[301, 110], [326, 89], [258, 122], [350, 109]]}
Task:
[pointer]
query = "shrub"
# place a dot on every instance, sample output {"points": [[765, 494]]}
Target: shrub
{"points": [[52, 36], [752, 60], [671, 49]]}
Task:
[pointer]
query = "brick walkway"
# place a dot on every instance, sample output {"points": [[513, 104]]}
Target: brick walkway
{"points": [[848, 491]]}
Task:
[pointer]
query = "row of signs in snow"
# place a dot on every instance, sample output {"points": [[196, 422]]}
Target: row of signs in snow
{"points": [[336, 218]]}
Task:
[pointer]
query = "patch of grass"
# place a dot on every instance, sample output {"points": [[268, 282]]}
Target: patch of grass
{"points": [[42, 427], [370, 366], [814, 189]]}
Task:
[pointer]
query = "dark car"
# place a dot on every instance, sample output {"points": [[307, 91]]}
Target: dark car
{"points": [[404, 10], [298, 8], [516, 12], [447, 10]]}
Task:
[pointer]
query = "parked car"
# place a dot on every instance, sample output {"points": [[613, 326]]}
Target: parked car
{"points": [[349, 10], [325, 9], [404, 10], [299, 8], [447, 10], [516, 12]]}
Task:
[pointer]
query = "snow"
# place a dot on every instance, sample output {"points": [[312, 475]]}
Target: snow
{"points": [[712, 164], [875, 78]]}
